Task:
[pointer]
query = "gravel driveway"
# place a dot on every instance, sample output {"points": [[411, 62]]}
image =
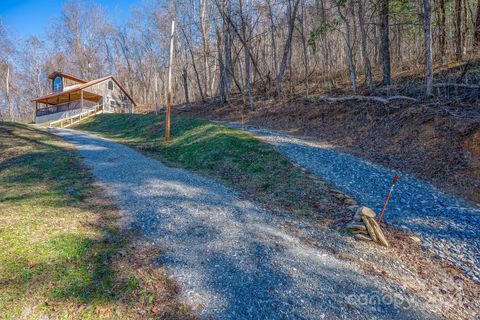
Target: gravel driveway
{"points": [[447, 224], [232, 259]]}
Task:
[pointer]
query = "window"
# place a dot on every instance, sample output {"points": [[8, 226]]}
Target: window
{"points": [[110, 85], [113, 103], [57, 84]]}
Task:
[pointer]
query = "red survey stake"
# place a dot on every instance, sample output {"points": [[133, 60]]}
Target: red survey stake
{"points": [[395, 179]]}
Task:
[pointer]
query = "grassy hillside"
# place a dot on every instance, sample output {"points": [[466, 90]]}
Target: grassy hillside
{"points": [[62, 252], [438, 143], [234, 157]]}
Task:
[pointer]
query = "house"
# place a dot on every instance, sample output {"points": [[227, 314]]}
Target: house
{"points": [[71, 96]]}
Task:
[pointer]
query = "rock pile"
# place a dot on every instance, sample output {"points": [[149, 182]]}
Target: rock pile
{"points": [[365, 228], [339, 195]]}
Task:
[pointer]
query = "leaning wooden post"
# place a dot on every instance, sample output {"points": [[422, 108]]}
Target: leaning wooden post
{"points": [[169, 94]]}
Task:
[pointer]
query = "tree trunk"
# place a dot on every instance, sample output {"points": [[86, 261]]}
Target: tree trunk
{"points": [[273, 43], [246, 32], [366, 60], [476, 34], [443, 29], [221, 68], [348, 48], [427, 25], [227, 48], [305, 49], [465, 28], [192, 55], [292, 13], [385, 42], [248, 78], [203, 21], [185, 85], [458, 29]]}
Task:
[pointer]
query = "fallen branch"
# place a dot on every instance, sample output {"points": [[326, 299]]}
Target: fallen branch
{"points": [[456, 85], [366, 98]]}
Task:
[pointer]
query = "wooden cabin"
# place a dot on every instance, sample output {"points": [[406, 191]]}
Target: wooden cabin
{"points": [[71, 96]]}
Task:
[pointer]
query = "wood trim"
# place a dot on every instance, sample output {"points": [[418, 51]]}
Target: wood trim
{"points": [[64, 75]]}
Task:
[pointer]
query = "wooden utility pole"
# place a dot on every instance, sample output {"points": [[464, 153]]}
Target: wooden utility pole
{"points": [[169, 94]]}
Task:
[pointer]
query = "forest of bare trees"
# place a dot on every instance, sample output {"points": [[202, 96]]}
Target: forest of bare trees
{"points": [[244, 48]]}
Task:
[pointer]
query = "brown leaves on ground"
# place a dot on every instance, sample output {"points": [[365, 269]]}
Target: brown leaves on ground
{"points": [[435, 141], [440, 284]]}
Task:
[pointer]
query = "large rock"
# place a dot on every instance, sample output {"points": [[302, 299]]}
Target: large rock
{"points": [[367, 212], [349, 201], [339, 195], [354, 226]]}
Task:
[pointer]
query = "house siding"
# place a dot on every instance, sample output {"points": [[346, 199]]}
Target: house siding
{"points": [[121, 103], [113, 100]]}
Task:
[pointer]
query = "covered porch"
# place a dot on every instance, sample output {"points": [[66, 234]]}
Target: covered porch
{"points": [[64, 104]]}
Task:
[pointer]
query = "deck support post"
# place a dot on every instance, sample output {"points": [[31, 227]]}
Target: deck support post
{"points": [[81, 100]]}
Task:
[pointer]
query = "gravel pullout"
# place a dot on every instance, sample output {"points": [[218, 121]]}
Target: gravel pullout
{"points": [[447, 224], [232, 259]]}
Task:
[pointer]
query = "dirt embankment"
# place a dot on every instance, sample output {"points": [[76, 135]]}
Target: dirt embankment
{"points": [[439, 143]]}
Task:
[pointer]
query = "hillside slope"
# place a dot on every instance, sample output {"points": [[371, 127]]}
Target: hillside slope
{"points": [[439, 143], [65, 251]]}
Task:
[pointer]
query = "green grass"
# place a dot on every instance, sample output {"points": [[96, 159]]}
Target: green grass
{"points": [[63, 253], [236, 158]]}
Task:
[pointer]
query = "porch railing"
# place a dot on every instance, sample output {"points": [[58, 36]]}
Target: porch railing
{"points": [[63, 107], [76, 118]]}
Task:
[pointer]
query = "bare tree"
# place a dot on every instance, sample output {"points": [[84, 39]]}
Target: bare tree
{"points": [[247, 48], [427, 26], [442, 19], [458, 29], [291, 15], [367, 67], [385, 41], [78, 34], [476, 34], [347, 35]]}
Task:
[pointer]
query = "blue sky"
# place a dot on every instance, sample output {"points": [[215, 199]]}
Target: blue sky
{"points": [[25, 18]]}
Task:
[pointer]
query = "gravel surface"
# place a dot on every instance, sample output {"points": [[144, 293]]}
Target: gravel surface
{"points": [[448, 225], [232, 259]]}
